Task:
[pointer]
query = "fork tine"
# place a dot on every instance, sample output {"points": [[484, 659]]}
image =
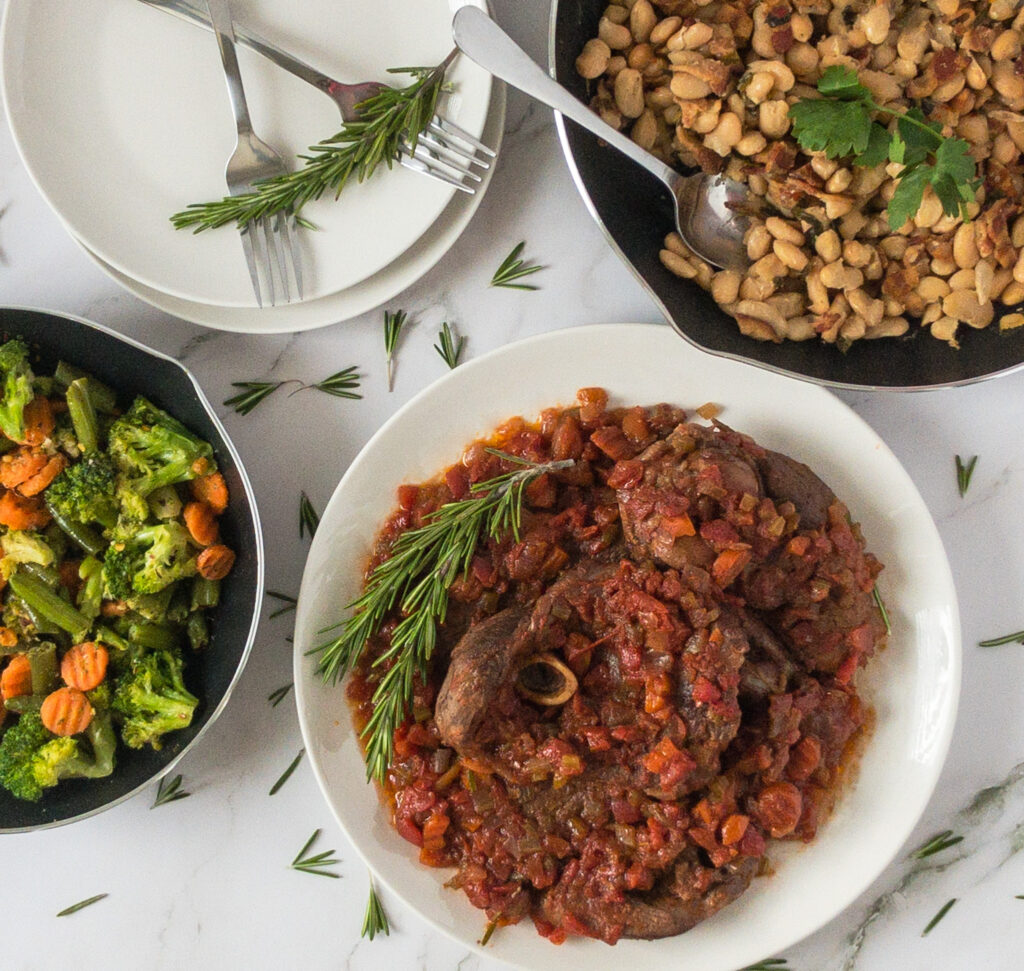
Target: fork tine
{"points": [[246, 236], [276, 250], [291, 254], [450, 154], [442, 124], [434, 159], [263, 260], [419, 165]]}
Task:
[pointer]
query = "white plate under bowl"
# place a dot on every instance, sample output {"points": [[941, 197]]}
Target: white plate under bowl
{"points": [[358, 299], [913, 685], [121, 115]]}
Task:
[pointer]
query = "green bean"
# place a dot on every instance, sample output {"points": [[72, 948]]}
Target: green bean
{"points": [[83, 415], [205, 593], [104, 744], [37, 620], [23, 703], [43, 662], [112, 639], [49, 605], [47, 574], [90, 597], [102, 396], [153, 637], [198, 631], [85, 536]]}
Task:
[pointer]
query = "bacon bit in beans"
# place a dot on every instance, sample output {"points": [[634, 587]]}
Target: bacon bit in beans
{"points": [[215, 562], [18, 512], [66, 711], [84, 666], [39, 420], [34, 485], [16, 679], [201, 521], [211, 489]]}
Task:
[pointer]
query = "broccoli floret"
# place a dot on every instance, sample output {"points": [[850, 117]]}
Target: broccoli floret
{"points": [[152, 699], [16, 383], [23, 547], [84, 492], [149, 562], [32, 759], [155, 450]]}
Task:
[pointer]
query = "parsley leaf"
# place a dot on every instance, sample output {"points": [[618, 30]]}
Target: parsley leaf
{"points": [[906, 200], [839, 81], [836, 128]]}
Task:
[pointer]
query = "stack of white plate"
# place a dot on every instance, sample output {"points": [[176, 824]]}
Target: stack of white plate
{"points": [[122, 118]]}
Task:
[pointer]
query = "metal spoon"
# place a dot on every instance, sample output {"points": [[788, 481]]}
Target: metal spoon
{"points": [[710, 209]]}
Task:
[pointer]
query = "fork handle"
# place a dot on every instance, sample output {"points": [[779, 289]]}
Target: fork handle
{"points": [[220, 20], [482, 40]]}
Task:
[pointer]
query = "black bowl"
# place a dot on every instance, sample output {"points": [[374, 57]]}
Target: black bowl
{"points": [[635, 211], [132, 369]]}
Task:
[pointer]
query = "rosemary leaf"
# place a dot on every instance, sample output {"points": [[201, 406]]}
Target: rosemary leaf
{"points": [[341, 384], [376, 921], [389, 122], [964, 471], [309, 520], [767, 965], [169, 791], [394, 321], [488, 932], [1017, 637], [315, 864], [415, 578], [512, 269], [943, 910], [881, 609], [286, 775], [449, 349], [279, 694], [74, 908], [252, 393], [287, 603], [938, 843]]}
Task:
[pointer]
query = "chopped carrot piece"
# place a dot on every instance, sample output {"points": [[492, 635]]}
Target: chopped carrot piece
{"points": [[84, 666], [728, 565], [66, 711], [212, 489], [17, 677], [19, 512], [21, 464], [8, 638], [36, 483], [215, 562], [39, 421], [201, 521]]}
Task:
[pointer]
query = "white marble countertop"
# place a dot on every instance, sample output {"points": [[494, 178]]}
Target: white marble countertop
{"points": [[204, 882]]}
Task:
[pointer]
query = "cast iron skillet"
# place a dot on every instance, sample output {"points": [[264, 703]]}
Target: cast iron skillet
{"points": [[132, 369], [635, 212]]}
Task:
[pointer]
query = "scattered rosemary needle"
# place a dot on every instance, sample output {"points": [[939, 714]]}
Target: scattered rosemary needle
{"points": [[513, 269], [394, 321], [252, 393], [881, 609], [767, 965], [341, 384], [74, 908], [308, 517], [376, 921], [964, 471], [1017, 637], [286, 775], [169, 791], [449, 349], [943, 910], [287, 603], [391, 116], [423, 564], [938, 843], [489, 930], [315, 864], [279, 694]]}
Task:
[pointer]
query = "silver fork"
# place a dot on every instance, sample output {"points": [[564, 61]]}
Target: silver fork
{"points": [[266, 241], [444, 151]]}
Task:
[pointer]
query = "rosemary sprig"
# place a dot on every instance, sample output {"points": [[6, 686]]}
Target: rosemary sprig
{"points": [[279, 694], [74, 908], [513, 269], [390, 121], [287, 603], [252, 393], [881, 609], [938, 843], [309, 519], [394, 321], [943, 910], [341, 384], [1017, 637], [315, 864], [169, 791], [767, 965], [415, 578], [964, 471], [286, 775], [449, 349], [375, 921]]}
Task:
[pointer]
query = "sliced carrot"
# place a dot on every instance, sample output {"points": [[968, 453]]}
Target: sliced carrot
{"points": [[39, 421], [215, 562], [66, 711], [34, 485], [8, 638], [21, 464], [212, 489], [201, 521], [19, 512], [17, 677], [84, 666]]}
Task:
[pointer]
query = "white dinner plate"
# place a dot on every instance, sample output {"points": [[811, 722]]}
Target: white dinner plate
{"points": [[121, 115], [357, 299], [913, 685]]}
